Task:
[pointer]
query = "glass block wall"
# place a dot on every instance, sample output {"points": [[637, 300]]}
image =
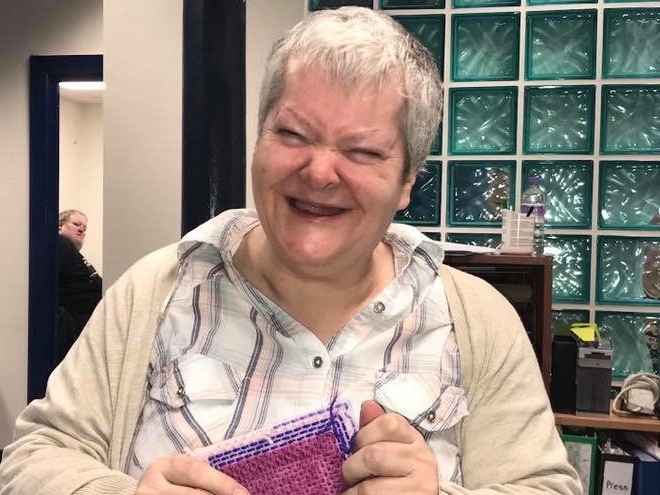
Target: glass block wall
{"points": [[570, 91]]}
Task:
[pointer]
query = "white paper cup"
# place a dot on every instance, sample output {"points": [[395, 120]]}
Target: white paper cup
{"points": [[517, 233]]}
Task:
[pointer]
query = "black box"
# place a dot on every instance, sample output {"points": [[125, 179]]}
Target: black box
{"points": [[594, 377], [563, 374]]}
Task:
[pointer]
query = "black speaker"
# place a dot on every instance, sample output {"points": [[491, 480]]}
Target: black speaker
{"points": [[563, 379]]}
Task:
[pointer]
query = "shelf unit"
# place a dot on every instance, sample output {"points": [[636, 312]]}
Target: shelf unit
{"points": [[526, 281], [609, 421]]}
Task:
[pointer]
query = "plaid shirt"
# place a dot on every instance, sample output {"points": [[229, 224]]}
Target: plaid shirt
{"points": [[227, 360]]}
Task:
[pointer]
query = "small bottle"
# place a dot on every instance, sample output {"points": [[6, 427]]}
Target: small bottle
{"points": [[533, 199]]}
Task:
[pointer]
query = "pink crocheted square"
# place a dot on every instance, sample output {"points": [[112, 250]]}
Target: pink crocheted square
{"points": [[302, 456]]}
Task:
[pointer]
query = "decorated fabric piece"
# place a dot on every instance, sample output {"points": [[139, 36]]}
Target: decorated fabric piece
{"points": [[301, 456]]}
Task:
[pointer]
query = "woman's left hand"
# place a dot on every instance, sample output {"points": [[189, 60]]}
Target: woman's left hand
{"points": [[390, 457]]}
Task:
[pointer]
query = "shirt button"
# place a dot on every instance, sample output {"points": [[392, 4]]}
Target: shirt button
{"points": [[430, 416], [317, 362], [379, 307]]}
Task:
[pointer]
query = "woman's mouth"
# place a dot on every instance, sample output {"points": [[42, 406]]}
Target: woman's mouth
{"points": [[315, 208]]}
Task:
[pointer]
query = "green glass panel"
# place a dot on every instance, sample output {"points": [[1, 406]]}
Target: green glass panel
{"points": [[424, 207], [314, 5], [561, 45], [476, 191], [411, 4], [461, 4], [556, 2], [436, 236], [436, 145], [430, 30], [485, 47], [630, 119], [634, 339], [559, 119], [482, 120], [628, 270], [567, 186], [629, 195], [562, 319], [485, 240], [571, 267], [631, 43]]}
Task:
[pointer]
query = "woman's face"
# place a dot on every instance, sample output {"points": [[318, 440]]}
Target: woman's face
{"points": [[327, 170]]}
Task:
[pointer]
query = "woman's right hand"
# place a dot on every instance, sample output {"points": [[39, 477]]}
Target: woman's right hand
{"points": [[181, 474]]}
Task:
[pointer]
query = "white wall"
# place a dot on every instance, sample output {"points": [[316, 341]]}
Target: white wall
{"points": [[29, 27], [81, 171], [142, 69]]}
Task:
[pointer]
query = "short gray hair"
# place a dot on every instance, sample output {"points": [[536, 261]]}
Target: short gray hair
{"points": [[356, 44]]}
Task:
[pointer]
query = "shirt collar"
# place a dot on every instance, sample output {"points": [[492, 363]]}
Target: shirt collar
{"points": [[225, 232]]}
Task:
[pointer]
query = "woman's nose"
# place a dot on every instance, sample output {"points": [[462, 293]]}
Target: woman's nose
{"points": [[321, 171]]}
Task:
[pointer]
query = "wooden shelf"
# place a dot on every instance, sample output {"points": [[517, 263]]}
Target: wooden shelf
{"points": [[609, 421]]}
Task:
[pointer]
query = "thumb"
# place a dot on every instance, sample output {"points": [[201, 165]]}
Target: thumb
{"points": [[369, 411]]}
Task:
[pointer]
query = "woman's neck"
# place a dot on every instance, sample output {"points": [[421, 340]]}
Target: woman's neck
{"points": [[322, 300]]}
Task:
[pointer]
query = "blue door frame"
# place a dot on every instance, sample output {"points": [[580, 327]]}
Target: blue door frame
{"points": [[46, 72]]}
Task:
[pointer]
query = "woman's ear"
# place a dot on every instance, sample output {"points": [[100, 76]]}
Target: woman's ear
{"points": [[406, 188]]}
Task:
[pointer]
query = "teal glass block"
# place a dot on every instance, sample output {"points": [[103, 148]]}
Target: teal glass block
{"points": [[424, 207], [463, 4], [557, 2], [485, 240], [628, 270], [630, 119], [485, 47], [562, 319], [315, 5], [436, 145], [634, 339], [629, 196], [567, 185], [571, 267], [559, 119], [412, 4], [482, 120], [430, 30], [436, 236], [561, 45], [476, 190], [630, 43]]}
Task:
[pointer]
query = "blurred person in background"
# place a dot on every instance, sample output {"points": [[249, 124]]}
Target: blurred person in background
{"points": [[79, 284]]}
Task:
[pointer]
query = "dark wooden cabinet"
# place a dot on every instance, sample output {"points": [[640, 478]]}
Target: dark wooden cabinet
{"points": [[526, 282]]}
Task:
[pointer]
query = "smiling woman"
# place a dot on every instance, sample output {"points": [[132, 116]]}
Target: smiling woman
{"points": [[259, 316]]}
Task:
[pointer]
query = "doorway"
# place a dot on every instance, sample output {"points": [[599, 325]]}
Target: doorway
{"points": [[46, 72]]}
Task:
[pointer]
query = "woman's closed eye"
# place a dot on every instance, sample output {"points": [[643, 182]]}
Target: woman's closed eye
{"points": [[291, 137], [364, 155]]}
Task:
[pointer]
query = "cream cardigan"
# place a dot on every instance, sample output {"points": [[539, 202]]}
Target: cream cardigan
{"points": [[75, 440]]}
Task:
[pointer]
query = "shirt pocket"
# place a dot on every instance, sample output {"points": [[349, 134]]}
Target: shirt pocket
{"points": [[196, 395], [427, 403], [194, 378]]}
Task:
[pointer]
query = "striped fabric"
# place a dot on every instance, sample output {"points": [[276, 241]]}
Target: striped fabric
{"points": [[227, 360]]}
